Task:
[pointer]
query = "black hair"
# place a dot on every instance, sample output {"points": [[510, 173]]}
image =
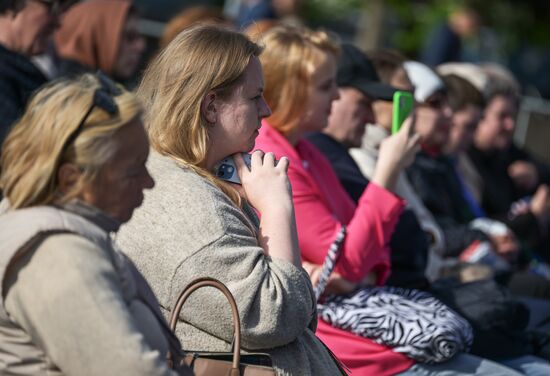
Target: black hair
{"points": [[7, 5]]}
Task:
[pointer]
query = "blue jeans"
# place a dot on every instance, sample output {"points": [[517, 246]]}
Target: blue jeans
{"points": [[528, 365], [461, 365]]}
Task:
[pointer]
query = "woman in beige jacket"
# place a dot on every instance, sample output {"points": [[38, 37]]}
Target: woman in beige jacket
{"points": [[204, 102], [73, 169]]}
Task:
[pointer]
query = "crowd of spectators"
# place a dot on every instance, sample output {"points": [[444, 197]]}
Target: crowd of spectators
{"points": [[348, 245]]}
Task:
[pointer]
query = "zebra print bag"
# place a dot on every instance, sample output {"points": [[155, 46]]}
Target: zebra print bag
{"points": [[409, 321]]}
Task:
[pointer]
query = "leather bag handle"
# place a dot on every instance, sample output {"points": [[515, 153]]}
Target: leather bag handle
{"points": [[211, 282]]}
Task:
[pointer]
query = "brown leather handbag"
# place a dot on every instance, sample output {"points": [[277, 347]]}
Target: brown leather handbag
{"points": [[219, 363]]}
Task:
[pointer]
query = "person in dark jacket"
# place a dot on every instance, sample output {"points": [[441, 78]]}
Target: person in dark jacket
{"points": [[358, 85], [432, 173], [509, 173], [25, 30]]}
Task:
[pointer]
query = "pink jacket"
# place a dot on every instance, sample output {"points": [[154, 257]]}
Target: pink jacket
{"points": [[323, 206]]}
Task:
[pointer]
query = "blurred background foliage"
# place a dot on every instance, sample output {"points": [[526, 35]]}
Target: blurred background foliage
{"points": [[514, 33], [516, 22]]}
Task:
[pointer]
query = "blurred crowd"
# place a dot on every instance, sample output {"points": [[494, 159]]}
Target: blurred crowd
{"points": [[349, 244]]}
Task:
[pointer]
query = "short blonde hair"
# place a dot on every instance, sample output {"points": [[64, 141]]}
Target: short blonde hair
{"points": [[35, 147], [198, 60], [291, 57]]}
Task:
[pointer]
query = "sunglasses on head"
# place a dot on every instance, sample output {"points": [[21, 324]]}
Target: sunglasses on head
{"points": [[104, 99]]}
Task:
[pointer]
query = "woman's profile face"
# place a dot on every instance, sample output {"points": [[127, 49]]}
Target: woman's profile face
{"points": [[118, 189], [237, 118], [322, 91]]}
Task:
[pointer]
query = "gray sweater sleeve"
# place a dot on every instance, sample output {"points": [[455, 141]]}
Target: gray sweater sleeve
{"points": [[275, 298], [186, 229], [67, 297]]}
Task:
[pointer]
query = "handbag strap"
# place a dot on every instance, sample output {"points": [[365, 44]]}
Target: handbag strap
{"points": [[330, 262], [211, 282]]}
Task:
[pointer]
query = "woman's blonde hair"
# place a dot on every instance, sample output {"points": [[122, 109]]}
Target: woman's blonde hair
{"points": [[199, 60], [35, 148], [291, 57]]}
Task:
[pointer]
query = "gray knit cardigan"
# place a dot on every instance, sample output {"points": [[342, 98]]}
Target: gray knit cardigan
{"points": [[187, 228]]}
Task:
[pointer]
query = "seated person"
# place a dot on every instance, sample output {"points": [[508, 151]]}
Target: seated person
{"points": [[193, 224], [433, 176], [435, 180], [509, 173], [73, 170]]}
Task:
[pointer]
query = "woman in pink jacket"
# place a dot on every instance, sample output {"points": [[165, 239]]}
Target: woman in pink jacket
{"points": [[300, 84]]}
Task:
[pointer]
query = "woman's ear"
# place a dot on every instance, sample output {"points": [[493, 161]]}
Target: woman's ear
{"points": [[67, 176], [208, 107]]}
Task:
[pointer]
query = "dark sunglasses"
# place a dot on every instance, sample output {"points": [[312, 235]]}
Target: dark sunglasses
{"points": [[103, 99]]}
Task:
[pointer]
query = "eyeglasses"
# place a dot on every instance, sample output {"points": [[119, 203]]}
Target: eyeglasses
{"points": [[103, 99]]}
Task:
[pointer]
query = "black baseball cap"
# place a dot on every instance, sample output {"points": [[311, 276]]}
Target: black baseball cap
{"points": [[356, 70]]}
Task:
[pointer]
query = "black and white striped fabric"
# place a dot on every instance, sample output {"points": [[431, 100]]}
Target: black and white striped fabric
{"points": [[409, 321], [330, 262]]}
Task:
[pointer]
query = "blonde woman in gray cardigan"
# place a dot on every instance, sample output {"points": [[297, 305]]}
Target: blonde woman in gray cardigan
{"points": [[73, 169], [204, 102]]}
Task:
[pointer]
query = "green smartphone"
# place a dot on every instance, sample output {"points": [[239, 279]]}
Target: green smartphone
{"points": [[403, 103]]}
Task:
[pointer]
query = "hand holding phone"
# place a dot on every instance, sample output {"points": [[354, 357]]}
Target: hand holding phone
{"points": [[396, 153], [227, 170], [403, 103], [264, 179]]}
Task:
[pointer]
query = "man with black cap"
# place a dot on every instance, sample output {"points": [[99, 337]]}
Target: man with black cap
{"points": [[358, 86]]}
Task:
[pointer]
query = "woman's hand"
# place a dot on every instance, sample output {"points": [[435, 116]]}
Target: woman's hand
{"points": [[266, 183], [396, 153], [336, 285], [267, 188]]}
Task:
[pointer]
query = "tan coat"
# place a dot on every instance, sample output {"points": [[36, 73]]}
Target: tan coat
{"points": [[73, 305], [187, 228]]}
